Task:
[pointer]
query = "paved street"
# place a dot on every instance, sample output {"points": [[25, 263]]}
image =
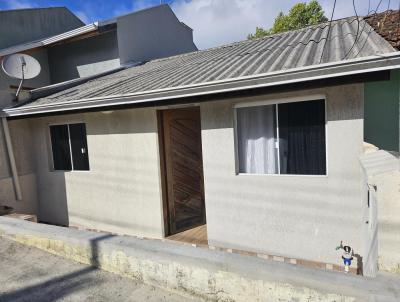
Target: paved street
{"points": [[29, 274]]}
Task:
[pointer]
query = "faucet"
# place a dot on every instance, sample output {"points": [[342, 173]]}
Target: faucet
{"points": [[347, 255]]}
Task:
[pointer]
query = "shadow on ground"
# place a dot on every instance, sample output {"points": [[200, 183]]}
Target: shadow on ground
{"points": [[62, 286]]}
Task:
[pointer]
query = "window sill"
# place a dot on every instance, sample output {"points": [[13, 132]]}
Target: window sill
{"points": [[69, 171], [283, 175]]}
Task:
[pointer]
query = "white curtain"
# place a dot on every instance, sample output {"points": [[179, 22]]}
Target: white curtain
{"points": [[256, 129]]}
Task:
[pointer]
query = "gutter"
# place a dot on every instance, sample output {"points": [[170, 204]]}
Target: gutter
{"points": [[51, 40], [296, 75], [11, 158]]}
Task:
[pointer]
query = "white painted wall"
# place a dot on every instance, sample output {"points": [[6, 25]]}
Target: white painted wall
{"points": [[121, 193], [296, 216], [382, 173]]}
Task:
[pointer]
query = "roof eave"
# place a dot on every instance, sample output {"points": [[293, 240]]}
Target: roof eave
{"points": [[50, 40], [297, 75]]}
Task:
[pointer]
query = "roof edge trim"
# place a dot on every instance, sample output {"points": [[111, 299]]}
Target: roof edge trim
{"points": [[296, 75]]}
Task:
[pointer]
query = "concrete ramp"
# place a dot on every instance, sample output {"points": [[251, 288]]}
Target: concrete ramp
{"points": [[208, 274]]}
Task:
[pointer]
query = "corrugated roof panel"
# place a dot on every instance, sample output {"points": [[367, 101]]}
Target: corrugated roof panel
{"points": [[251, 57]]}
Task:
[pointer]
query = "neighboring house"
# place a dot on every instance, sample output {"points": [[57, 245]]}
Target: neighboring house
{"points": [[76, 54], [20, 27], [382, 99], [260, 139]]}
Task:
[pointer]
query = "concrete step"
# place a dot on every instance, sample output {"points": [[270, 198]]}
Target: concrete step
{"points": [[209, 274]]}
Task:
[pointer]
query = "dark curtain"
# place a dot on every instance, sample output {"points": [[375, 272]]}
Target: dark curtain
{"points": [[302, 138], [60, 147], [79, 146]]}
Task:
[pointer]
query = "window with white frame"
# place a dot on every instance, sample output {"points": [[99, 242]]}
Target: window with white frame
{"points": [[69, 147], [282, 138]]}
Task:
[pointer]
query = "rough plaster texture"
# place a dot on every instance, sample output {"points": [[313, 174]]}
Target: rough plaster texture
{"points": [[389, 221], [302, 217], [296, 216], [22, 140], [207, 274], [164, 35], [383, 175], [121, 192]]}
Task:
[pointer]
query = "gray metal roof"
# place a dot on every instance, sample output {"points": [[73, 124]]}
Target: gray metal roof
{"points": [[306, 47]]}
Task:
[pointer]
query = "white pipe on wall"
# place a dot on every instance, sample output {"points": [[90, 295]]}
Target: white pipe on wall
{"points": [[11, 158]]}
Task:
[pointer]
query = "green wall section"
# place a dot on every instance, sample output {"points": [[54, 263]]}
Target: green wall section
{"points": [[381, 113]]}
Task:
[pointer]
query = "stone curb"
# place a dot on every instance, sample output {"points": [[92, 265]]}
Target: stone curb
{"points": [[211, 275]]}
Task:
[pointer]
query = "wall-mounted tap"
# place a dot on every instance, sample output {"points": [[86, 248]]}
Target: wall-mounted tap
{"points": [[347, 255]]}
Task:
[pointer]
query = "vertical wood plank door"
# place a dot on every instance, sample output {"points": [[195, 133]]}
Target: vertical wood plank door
{"points": [[184, 169]]}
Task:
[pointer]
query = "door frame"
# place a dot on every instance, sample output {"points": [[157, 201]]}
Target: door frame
{"points": [[163, 166]]}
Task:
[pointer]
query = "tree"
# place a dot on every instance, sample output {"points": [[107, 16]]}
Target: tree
{"points": [[300, 15]]}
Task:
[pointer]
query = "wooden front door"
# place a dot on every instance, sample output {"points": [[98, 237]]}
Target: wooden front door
{"points": [[183, 169]]}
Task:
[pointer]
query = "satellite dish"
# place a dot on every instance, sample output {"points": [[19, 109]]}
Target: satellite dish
{"points": [[20, 66]]}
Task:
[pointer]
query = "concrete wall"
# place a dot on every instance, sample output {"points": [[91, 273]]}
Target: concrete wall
{"points": [[24, 25], [84, 57], [296, 216], [152, 33], [121, 192], [382, 172], [22, 139], [382, 114], [389, 221]]}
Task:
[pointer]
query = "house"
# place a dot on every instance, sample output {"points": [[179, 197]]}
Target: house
{"points": [[18, 27], [384, 117], [73, 53], [258, 143]]}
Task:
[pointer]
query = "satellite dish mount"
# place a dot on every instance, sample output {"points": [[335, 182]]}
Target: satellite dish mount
{"points": [[22, 67]]}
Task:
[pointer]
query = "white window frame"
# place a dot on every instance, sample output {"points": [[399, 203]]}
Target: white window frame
{"points": [[275, 102], [70, 146]]}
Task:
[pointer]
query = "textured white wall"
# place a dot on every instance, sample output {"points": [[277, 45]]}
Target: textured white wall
{"points": [[121, 192], [296, 216]]}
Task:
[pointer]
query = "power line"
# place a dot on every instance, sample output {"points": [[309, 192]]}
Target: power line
{"points": [[329, 30], [371, 30], [358, 30]]}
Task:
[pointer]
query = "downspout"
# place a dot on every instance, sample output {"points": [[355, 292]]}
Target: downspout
{"points": [[11, 158]]}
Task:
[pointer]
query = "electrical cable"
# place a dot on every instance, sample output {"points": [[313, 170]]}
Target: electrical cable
{"points": [[329, 30]]}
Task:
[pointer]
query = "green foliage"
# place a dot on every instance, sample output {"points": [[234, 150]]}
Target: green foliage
{"points": [[300, 15]]}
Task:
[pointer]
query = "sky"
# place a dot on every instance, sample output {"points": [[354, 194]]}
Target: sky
{"points": [[215, 22]]}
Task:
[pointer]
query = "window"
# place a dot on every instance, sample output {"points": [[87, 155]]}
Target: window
{"points": [[285, 138], [69, 147]]}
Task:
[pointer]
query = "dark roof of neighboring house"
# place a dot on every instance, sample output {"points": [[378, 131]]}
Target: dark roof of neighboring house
{"points": [[387, 24], [269, 58]]}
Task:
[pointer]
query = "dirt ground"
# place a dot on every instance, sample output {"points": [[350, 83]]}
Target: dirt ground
{"points": [[29, 274]]}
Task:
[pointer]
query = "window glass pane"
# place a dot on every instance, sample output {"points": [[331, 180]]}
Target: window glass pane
{"points": [[80, 154], [256, 135], [302, 138], [60, 147]]}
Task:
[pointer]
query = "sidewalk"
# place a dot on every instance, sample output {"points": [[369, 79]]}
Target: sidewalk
{"points": [[213, 275], [32, 275]]}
